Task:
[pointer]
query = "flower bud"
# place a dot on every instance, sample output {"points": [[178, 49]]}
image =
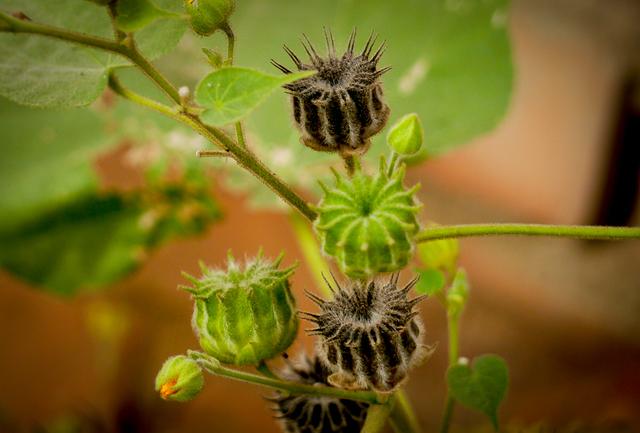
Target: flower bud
{"points": [[207, 16], [406, 135], [366, 223], [244, 315], [179, 379]]}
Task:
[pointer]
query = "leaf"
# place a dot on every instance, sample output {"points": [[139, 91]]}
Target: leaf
{"points": [[135, 14], [431, 281], [229, 94], [482, 386], [57, 230], [439, 254]]}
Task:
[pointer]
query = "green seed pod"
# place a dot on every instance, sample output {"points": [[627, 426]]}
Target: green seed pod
{"points": [[179, 379], [406, 135], [244, 316], [367, 223], [207, 16]]}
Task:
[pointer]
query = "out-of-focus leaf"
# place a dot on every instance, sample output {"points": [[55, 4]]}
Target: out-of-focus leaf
{"points": [[439, 254], [431, 282], [132, 15], [481, 386], [57, 230], [229, 94]]}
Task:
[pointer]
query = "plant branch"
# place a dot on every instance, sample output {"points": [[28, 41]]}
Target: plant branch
{"points": [[453, 325], [571, 231], [126, 48], [402, 417], [214, 367], [377, 416]]}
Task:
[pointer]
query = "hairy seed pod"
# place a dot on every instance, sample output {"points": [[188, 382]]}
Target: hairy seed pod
{"points": [[370, 335], [366, 223], [341, 107], [244, 315], [316, 414]]}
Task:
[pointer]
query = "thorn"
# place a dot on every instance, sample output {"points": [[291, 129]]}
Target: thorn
{"points": [[352, 42], [309, 316], [382, 71], [293, 56], [281, 67], [331, 46], [369, 45], [311, 51], [379, 52], [410, 284], [315, 298], [327, 282], [335, 281]]}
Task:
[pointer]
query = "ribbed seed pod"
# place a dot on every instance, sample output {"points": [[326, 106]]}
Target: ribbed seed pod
{"points": [[341, 107], [367, 223], [317, 414], [370, 335], [243, 316]]}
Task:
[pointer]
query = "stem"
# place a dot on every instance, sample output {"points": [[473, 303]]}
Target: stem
{"points": [[571, 231], [218, 137], [453, 328], [240, 135], [265, 370], [403, 418], [392, 162], [349, 163], [291, 387], [126, 48], [377, 416], [311, 252]]}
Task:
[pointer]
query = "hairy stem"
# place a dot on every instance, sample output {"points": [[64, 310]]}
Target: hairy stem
{"points": [[453, 320], [377, 416], [570, 231], [403, 418], [214, 367]]}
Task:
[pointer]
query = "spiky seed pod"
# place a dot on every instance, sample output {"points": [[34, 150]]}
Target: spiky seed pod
{"points": [[370, 334], [366, 223], [342, 106], [244, 315], [316, 414]]}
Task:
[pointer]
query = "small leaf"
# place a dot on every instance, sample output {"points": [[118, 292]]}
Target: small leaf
{"points": [[229, 94], [136, 14], [481, 386], [431, 281], [439, 254], [406, 135], [213, 57]]}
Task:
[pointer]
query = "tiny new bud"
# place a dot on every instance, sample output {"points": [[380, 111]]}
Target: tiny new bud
{"points": [[179, 379], [213, 57], [184, 92], [207, 16], [406, 135]]}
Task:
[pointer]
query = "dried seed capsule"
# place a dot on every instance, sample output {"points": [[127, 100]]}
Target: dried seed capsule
{"points": [[367, 223], [244, 315], [179, 379], [370, 334], [341, 107], [317, 414]]}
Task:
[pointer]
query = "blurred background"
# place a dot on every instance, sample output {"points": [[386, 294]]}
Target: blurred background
{"points": [[532, 114]]}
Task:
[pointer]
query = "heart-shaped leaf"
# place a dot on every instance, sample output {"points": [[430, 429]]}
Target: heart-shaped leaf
{"points": [[481, 386], [229, 94]]}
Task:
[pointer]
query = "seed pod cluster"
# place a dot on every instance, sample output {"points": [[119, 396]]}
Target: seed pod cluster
{"points": [[366, 223], [370, 335], [244, 315], [316, 414], [342, 106]]}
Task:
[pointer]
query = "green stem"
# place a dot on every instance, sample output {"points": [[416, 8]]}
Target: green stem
{"points": [[403, 418], [311, 252], [126, 48], [377, 416], [240, 135], [218, 137], [392, 162], [453, 331], [214, 367], [571, 231], [265, 370], [350, 163]]}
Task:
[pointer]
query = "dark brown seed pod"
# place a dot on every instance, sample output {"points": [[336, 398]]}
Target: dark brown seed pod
{"points": [[342, 106], [370, 335], [316, 414]]}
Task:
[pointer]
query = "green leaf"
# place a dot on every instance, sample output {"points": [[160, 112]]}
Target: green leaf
{"points": [[229, 94], [482, 386], [431, 281], [135, 14], [406, 135]]}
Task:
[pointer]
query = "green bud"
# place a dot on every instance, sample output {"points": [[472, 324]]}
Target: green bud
{"points": [[441, 254], [207, 16], [213, 57], [406, 135], [179, 379], [367, 223], [244, 315], [458, 293]]}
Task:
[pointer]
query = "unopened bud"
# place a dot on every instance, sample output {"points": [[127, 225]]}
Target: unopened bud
{"points": [[179, 379], [207, 16]]}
